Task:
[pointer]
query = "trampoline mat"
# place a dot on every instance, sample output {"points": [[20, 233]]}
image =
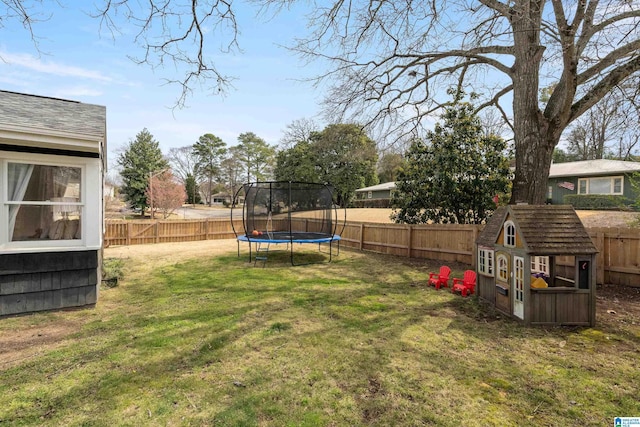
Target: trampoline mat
{"points": [[285, 236]]}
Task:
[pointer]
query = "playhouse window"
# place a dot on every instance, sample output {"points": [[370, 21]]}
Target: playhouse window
{"points": [[503, 268], [485, 262], [540, 264], [509, 234]]}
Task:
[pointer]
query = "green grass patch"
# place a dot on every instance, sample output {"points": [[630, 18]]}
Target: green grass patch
{"points": [[359, 341]]}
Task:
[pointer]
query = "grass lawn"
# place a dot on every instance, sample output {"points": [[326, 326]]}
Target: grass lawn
{"points": [[360, 341]]}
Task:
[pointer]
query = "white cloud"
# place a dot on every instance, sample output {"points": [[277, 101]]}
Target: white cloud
{"points": [[50, 67], [78, 91]]}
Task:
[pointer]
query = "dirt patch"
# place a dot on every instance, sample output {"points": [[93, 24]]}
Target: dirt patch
{"points": [[16, 345], [173, 252]]}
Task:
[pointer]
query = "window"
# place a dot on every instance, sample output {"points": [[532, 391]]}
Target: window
{"points": [[550, 192], [485, 261], [601, 185], [43, 202], [369, 194], [582, 186], [49, 201], [503, 268], [540, 264], [509, 234]]}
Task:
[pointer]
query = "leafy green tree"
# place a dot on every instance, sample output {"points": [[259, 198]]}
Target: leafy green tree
{"points": [[452, 175], [341, 155], [561, 156], [389, 166], [346, 158], [209, 151], [256, 155], [297, 163], [140, 159]]}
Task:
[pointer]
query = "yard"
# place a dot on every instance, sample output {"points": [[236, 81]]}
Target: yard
{"points": [[193, 335]]}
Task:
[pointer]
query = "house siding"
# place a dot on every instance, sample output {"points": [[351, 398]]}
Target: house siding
{"points": [[47, 281]]}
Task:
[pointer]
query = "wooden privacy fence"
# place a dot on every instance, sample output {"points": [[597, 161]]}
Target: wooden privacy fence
{"points": [[618, 258]]}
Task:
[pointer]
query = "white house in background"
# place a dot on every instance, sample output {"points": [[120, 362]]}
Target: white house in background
{"points": [[379, 191], [51, 214]]}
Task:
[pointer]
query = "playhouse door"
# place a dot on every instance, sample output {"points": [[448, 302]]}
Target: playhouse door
{"points": [[518, 287]]}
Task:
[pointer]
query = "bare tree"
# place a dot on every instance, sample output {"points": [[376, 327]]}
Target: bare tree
{"points": [[183, 161], [609, 129], [298, 130], [390, 60], [178, 34]]}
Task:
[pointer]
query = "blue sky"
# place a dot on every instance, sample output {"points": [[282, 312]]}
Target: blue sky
{"points": [[74, 61]]}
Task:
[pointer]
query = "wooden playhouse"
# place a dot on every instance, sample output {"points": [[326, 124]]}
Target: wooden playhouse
{"points": [[536, 263]]}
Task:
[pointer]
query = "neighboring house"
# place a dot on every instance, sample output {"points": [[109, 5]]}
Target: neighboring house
{"points": [[588, 177], [380, 191], [591, 177], [51, 170]]}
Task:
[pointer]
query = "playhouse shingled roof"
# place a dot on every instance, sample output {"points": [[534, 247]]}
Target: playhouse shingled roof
{"points": [[545, 229]]}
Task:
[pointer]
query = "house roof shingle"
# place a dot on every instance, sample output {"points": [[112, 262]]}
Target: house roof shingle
{"points": [[545, 229], [593, 167], [46, 114], [384, 186]]}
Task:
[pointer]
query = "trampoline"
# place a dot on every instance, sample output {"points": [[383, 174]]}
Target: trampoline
{"points": [[287, 212]]}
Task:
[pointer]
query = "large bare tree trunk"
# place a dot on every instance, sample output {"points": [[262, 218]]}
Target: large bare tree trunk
{"points": [[534, 148]]}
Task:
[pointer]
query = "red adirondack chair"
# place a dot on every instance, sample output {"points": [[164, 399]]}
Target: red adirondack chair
{"points": [[466, 285], [440, 279]]}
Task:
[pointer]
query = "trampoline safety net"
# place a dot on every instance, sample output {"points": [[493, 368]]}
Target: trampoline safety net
{"points": [[288, 210]]}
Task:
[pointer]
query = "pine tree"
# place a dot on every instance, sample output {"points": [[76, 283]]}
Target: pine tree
{"points": [[141, 158]]}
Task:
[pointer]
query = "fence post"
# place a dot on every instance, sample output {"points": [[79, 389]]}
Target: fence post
{"points": [[206, 229], [600, 261], [474, 236], [361, 235], [129, 224], [409, 241], [156, 231]]}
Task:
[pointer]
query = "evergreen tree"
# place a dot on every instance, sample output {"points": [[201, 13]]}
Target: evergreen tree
{"points": [[209, 151], [453, 175], [256, 155], [140, 159], [191, 187]]}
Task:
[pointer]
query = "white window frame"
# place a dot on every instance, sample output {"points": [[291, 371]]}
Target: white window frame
{"points": [[540, 264], [369, 194], [502, 267], [486, 261], [584, 185], [90, 205], [550, 192], [509, 234]]}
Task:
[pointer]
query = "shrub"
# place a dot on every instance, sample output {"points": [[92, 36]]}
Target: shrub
{"points": [[111, 271], [596, 201], [371, 203]]}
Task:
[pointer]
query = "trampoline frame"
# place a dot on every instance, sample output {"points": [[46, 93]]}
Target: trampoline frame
{"points": [[289, 236]]}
